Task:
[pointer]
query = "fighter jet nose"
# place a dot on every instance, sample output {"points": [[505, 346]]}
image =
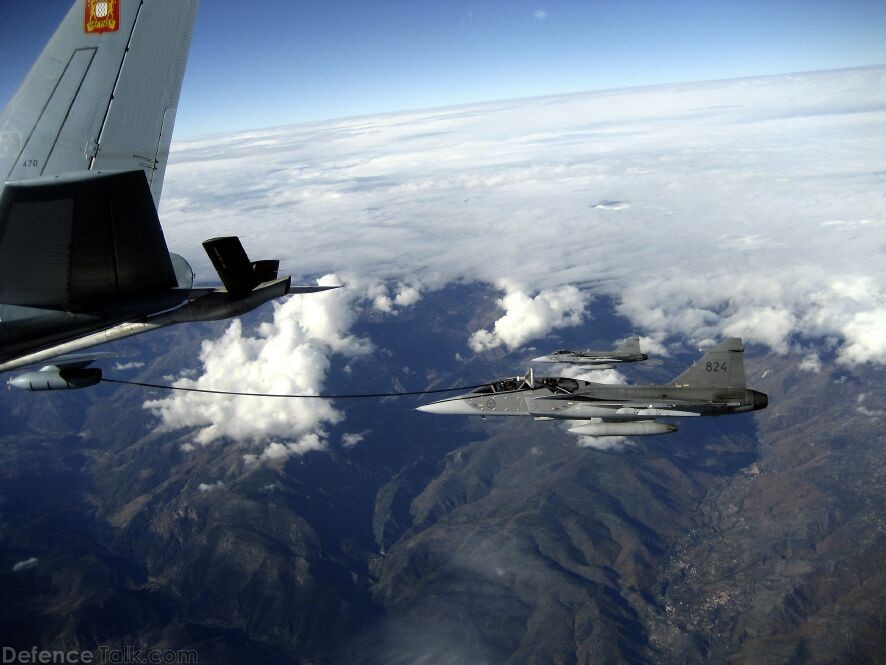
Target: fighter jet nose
{"points": [[540, 359], [447, 407]]}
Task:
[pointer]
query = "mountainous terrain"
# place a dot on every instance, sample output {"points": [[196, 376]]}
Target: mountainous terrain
{"points": [[752, 538]]}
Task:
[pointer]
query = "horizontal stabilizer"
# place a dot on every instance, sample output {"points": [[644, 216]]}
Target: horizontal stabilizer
{"points": [[81, 241], [237, 273], [265, 270], [296, 290]]}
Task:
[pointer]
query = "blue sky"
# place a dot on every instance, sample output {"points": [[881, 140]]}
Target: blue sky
{"points": [[284, 61]]}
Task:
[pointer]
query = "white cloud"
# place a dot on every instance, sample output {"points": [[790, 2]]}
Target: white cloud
{"points": [[135, 364], [806, 301], [865, 335], [278, 451], [348, 440], [810, 363], [187, 447], [865, 411], [211, 487], [404, 295], [26, 564], [378, 294], [604, 442], [854, 223], [527, 317], [767, 324], [540, 14], [654, 345], [407, 294], [608, 376], [289, 355]]}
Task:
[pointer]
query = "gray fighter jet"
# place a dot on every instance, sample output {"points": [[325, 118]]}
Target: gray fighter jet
{"points": [[713, 386], [626, 352], [84, 144]]}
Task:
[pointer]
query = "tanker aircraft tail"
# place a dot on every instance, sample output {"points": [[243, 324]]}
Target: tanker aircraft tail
{"points": [[103, 93], [84, 145]]}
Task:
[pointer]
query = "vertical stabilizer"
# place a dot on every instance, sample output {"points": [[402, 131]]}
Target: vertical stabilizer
{"points": [[102, 94], [631, 346], [720, 367]]}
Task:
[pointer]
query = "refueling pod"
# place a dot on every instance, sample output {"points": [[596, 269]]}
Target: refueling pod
{"points": [[55, 378]]}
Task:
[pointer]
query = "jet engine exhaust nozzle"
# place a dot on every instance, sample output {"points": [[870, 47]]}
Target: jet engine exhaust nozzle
{"points": [[761, 400]]}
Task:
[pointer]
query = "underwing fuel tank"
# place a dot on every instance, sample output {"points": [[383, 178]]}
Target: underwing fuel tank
{"points": [[643, 428], [53, 378]]}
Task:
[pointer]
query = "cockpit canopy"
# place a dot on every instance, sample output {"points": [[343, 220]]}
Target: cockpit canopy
{"points": [[503, 385], [557, 384]]}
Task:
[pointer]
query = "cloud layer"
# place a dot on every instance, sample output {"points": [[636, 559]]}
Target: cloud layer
{"points": [[751, 207]]}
